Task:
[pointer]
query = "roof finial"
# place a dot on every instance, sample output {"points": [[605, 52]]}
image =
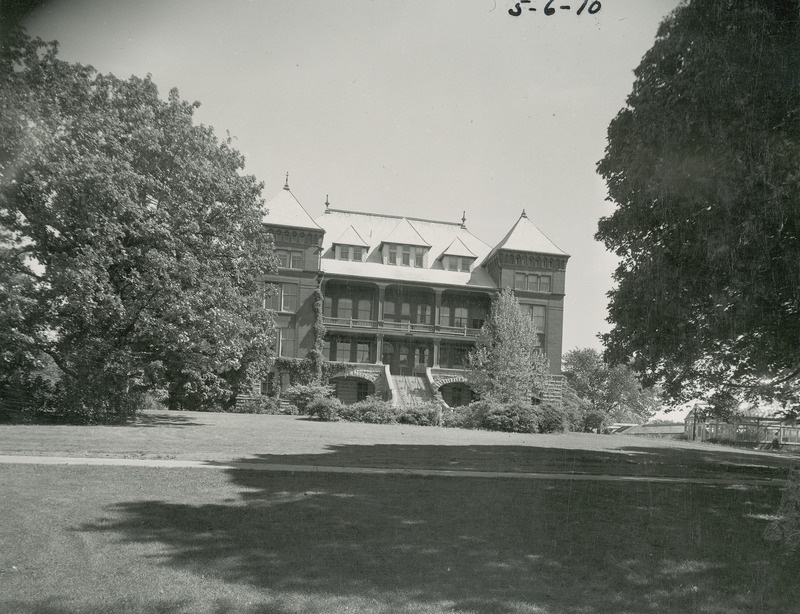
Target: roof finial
{"points": [[327, 204], [286, 185], [525, 215], [464, 219]]}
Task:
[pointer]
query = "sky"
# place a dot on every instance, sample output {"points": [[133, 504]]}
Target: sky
{"points": [[419, 108]]}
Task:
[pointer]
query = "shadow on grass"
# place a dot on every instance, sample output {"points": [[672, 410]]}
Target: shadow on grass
{"points": [[632, 460], [162, 419], [490, 546]]}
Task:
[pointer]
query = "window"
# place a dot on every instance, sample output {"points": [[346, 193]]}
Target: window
{"points": [[406, 256], [327, 307], [520, 281], [405, 310], [538, 314], [392, 254], [418, 256], [444, 316], [283, 257], [465, 262], [364, 309], [452, 263], [362, 351], [326, 350], [544, 283], [342, 351], [389, 308], [388, 352], [424, 314], [282, 298], [286, 343], [460, 316], [297, 260], [358, 254], [289, 302], [345, 308], [343, 252]]}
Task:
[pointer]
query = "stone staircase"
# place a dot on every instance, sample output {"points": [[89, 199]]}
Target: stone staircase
{"points": [[412, 390]]}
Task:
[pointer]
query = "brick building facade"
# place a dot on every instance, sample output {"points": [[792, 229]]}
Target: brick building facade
{"points": [[404, 298]]}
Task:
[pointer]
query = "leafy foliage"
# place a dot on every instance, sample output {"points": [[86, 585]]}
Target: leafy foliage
{"points": [[702, 165], [303, 395], [132, 247], [511, 417], [607, 393], [506, 363], [373, 410]]}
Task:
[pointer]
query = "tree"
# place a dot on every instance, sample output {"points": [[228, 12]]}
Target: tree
{"points": [[702, 165], [132, 237], [506, 364], [610, 393]]}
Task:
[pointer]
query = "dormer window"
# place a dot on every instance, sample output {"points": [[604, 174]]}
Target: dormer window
{"points": [[405, 255], [350, 252], [457, 263]]}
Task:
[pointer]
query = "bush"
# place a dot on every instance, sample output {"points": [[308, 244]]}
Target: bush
{"points": [[429, 414], [256, 405], [552, 419], [458, 417], [509, 417], [324, 408], [303, 395], [373, 410]]}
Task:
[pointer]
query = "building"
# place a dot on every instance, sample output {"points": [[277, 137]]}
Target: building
{"points": [[403, 299]]}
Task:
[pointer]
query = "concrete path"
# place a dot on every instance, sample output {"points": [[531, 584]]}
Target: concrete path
{"points": [[262, 466]]}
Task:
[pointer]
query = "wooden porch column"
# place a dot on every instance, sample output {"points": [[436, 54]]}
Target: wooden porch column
{"points": [[381, 298], [379, 356], [437, 311], [436, 344]]}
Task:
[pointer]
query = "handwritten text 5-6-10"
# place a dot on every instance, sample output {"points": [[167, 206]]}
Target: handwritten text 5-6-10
{"points": [[549, 9]]}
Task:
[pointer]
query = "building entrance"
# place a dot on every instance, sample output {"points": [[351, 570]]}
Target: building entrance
{"points": [[407, 357]]}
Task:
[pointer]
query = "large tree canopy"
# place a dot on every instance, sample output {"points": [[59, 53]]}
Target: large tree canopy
{"points": [[131, 241], [703, 165]]}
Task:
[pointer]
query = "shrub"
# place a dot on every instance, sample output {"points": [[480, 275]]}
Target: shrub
{"points": [[256, 405], [429, 414], [324, 408], [373, 410], [552, 419], [302, 395], [458, 417], [509, 417]]}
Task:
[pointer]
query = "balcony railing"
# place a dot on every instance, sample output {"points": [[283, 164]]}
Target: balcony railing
{"points": [[407, 327]]}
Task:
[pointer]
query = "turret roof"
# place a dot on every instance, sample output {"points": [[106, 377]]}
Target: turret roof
{"points": [[524, 236], [285, 210]]}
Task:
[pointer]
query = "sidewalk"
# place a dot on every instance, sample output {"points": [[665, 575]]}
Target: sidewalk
{"points": [[289, 468]]}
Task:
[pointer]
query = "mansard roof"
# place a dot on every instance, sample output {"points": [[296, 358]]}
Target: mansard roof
{"points": [[524, 236], [378, 229], [285, 210], [350, 237]]}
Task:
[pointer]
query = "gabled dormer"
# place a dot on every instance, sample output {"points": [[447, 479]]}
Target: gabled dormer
{"points": [[405, 246], [458, 257], [350, 246]]}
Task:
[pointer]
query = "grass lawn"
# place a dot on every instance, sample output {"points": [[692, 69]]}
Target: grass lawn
{"points": [[129, 539]]}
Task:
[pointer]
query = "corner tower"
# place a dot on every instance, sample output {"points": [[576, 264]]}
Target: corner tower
{"points": [[529, 263]]}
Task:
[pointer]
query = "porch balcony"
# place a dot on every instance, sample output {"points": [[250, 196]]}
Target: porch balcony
{"points": [[407, 327]]}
